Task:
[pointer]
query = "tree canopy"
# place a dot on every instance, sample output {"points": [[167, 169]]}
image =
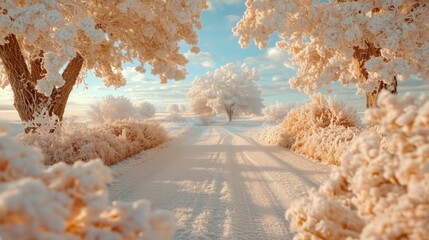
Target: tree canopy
{"points": [[364, 43], [231, 89]]}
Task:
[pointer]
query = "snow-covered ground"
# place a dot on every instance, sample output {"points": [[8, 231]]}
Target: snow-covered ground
{"points": [[219, 181]]}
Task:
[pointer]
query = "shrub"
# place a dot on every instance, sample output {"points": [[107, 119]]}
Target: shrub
{"points": [[325, 144], [375, 192], [276, 112], [321, 129], [68, 202], [206, 119], [146, 109], [112, 142], [110, 109], [182, 108], [275, 135], [173, 108]]}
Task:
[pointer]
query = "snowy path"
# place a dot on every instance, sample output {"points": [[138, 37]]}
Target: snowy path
{"points": [[220, 183]]}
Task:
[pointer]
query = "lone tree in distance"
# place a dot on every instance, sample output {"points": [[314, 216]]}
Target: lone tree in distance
{"points": [[39, 39], [370, 44], [230, 89]]}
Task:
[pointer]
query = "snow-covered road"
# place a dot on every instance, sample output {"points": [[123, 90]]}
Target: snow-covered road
{"points": [[220, 183]]}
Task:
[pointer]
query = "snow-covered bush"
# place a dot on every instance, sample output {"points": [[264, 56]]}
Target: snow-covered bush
{"points": [[275, 135], [321, 129], [146, 109], [276, 112], [112, 142], [206, 119], [325, 144], [111, 108], [173, 108], [68, 202], [375, 193]]}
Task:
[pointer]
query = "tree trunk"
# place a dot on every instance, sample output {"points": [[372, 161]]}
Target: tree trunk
{"points": [[229, 112], [27, 100], [362, 56], [371, 97]]}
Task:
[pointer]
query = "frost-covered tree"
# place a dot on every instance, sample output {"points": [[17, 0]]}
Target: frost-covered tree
{"points": [[370, 44], [230, 89], [182, 108], [173, 108], [146, 109], [46, 45], [111, 108]]}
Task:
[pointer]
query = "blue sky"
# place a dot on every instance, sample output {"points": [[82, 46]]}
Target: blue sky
{"points": [[218, 47]]}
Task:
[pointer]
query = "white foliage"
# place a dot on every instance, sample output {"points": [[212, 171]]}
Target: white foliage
{"points": [[321, 129], [112, 142], [146, 109], [173, 108], [111, 108], [182, 108], [68, 202], [323, 36], [276, 112], [276, 135], [42, 123], [106, 34], [230, 87], [375, 192]]}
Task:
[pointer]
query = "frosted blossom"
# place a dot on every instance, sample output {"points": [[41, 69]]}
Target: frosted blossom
{"points": [[88, 26], [54, 18], [325, 39], [276, 112], [381, 191], [101, 35], [68, 202]]}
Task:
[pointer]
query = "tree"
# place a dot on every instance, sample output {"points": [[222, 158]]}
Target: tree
{"points": [[371, 44], [182, 108], [146, 109], [40, 39], [230, 89], [173, 108]]}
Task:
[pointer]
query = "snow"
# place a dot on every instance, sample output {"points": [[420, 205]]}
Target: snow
{"points": [[219, 181]]}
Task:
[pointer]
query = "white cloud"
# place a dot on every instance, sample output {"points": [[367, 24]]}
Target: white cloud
{"points": [[204, 59], [232, 20], [276, 54], [273, 65], [276, 78], [132, 75]]}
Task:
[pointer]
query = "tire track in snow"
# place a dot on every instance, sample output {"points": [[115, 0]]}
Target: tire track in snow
{"points": [[219, 183]]}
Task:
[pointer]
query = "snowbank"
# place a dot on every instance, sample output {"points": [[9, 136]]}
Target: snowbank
{"points": [[112, 142], [67, 202], [375, 191]]}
